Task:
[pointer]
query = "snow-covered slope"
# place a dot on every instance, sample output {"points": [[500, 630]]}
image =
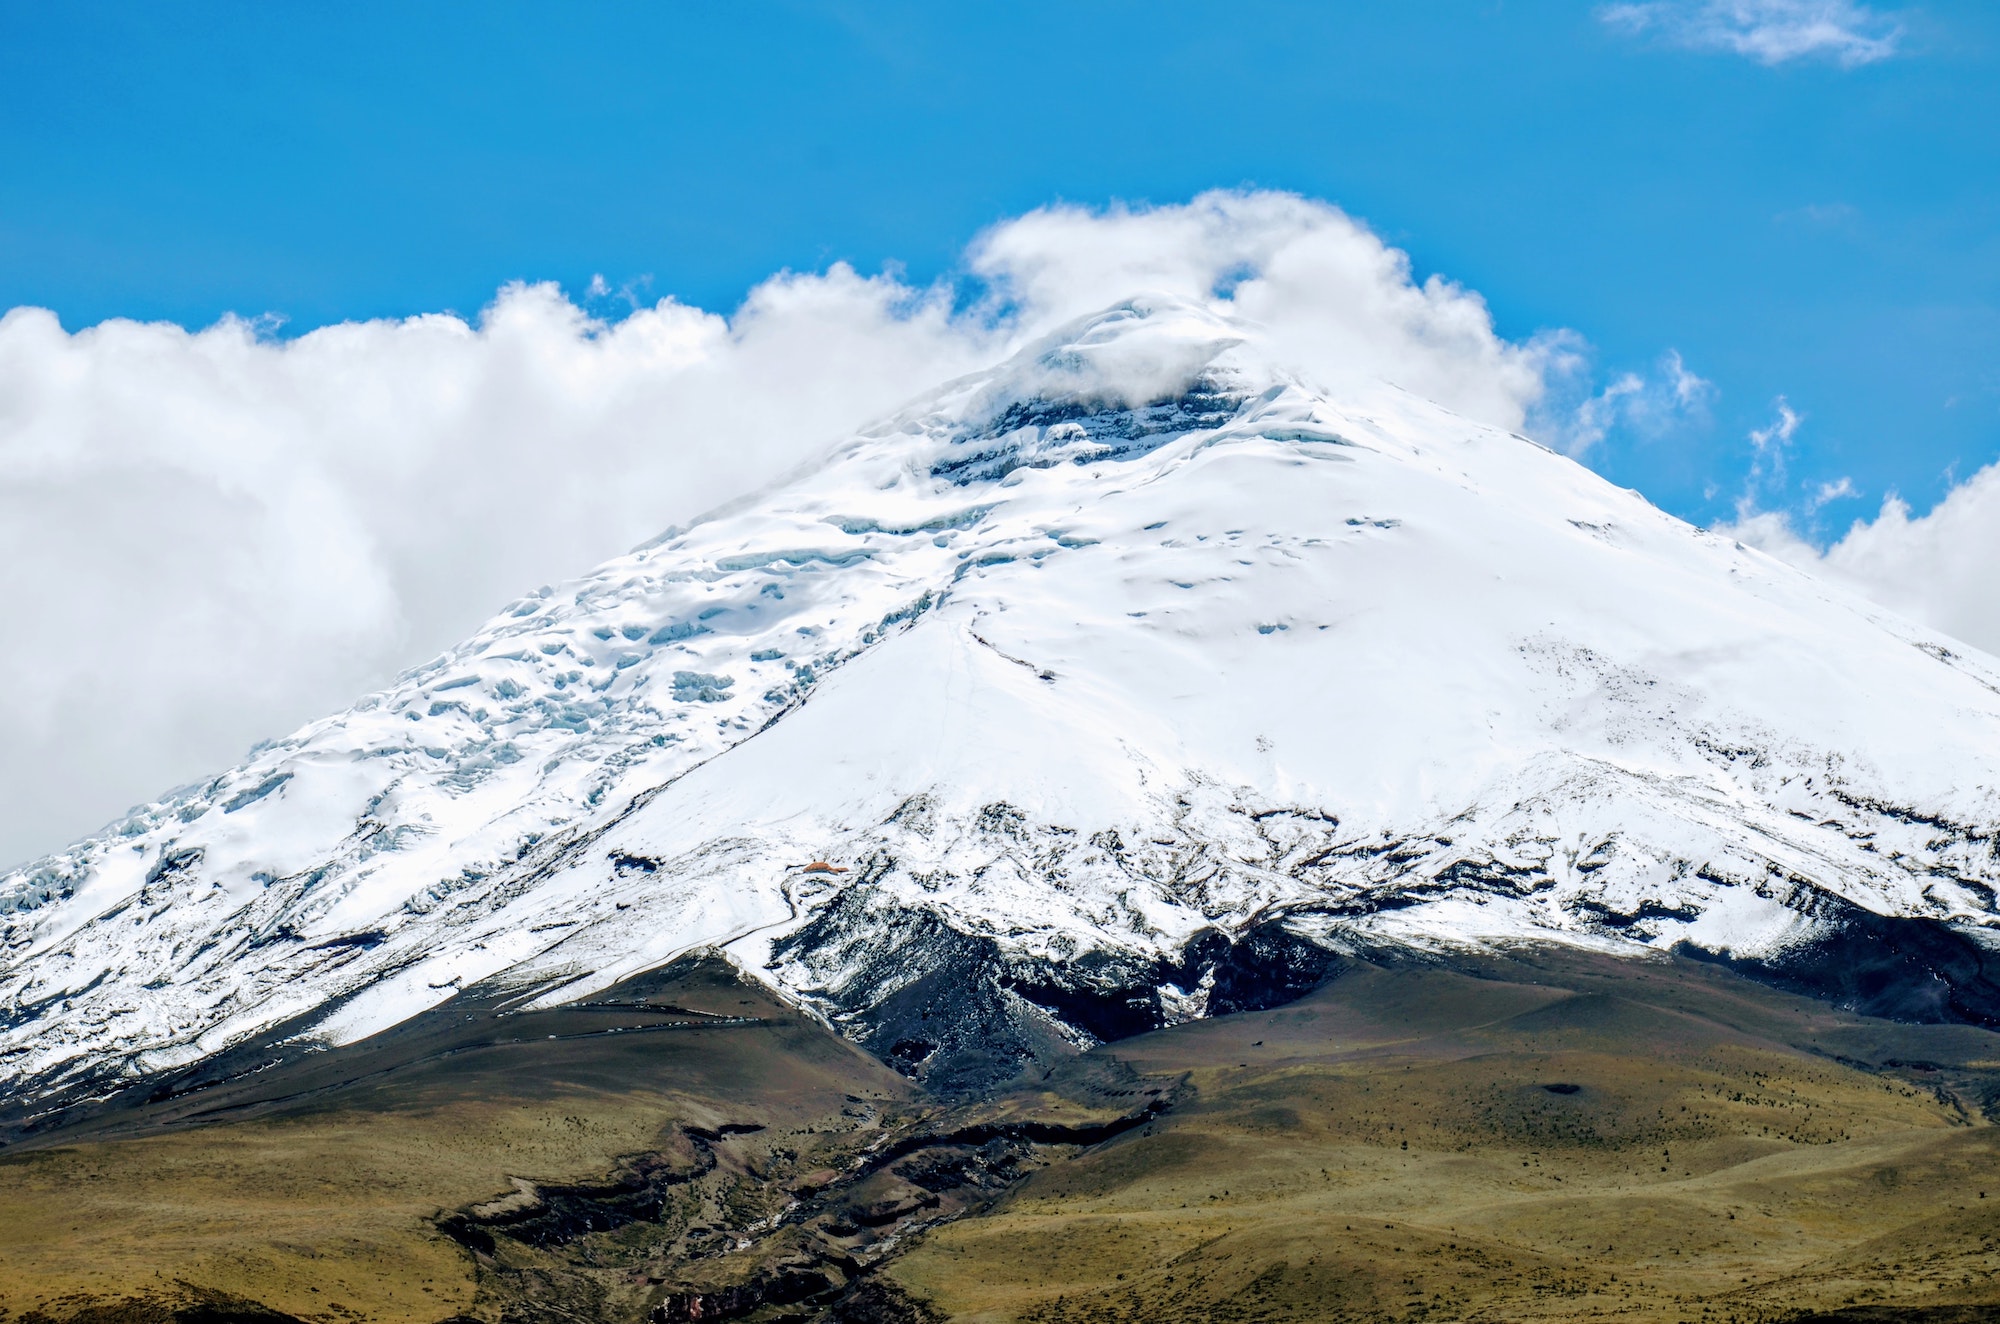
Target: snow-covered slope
{"points": [[1023, 713]]}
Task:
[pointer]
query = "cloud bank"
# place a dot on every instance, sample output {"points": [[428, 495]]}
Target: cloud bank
{"points": [[208, 537], [1770, 32], [1937, 568]]}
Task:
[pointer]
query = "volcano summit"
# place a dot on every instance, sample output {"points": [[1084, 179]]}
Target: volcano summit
{"points": [[1130, 682]]}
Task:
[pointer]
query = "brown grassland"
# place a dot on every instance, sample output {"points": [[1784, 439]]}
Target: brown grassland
{"points": [[1548, 1136]]}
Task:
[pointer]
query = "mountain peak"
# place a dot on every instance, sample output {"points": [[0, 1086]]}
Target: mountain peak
{"points": [[1120, 684]]}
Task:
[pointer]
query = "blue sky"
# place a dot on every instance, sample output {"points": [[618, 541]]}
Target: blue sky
{"points": [[1820, 230]]}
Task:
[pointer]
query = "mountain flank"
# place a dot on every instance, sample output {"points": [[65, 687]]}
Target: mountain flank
{"points": [[1543, 1135], [1132, 837]]}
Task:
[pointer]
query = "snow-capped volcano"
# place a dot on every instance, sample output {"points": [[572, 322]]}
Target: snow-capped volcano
{"points": [[1070, 701]]}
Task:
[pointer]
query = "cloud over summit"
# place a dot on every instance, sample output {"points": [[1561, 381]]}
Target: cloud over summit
{"points": [[208, 537]]}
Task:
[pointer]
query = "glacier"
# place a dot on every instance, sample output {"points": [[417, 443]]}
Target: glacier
{"points": [[1111, 687]]}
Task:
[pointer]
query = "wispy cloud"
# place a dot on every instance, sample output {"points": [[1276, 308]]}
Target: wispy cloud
{"points": [[1768, 445], [1772, 440], [1770, 32], [1826, 493], [1821, 216], [1649, 404]]}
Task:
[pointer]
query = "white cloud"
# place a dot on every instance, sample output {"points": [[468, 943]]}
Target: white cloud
{"points": [[1771, 441], [1825, 494], [1595, 416], [1340, 301], [207, 537], [1822, 215], [1646, 404], [1936, 568], [1689, 391], [1768, 31], [1768, 456]]}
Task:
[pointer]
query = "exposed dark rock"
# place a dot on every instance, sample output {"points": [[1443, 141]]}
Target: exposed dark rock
{"points": [[365, 939], [782, 1288], [1914, 970], [199, 1306], [1106, 431], [559, 1214], [877, 1301], [1267, 966], [962, 1016], [924, 997]]}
